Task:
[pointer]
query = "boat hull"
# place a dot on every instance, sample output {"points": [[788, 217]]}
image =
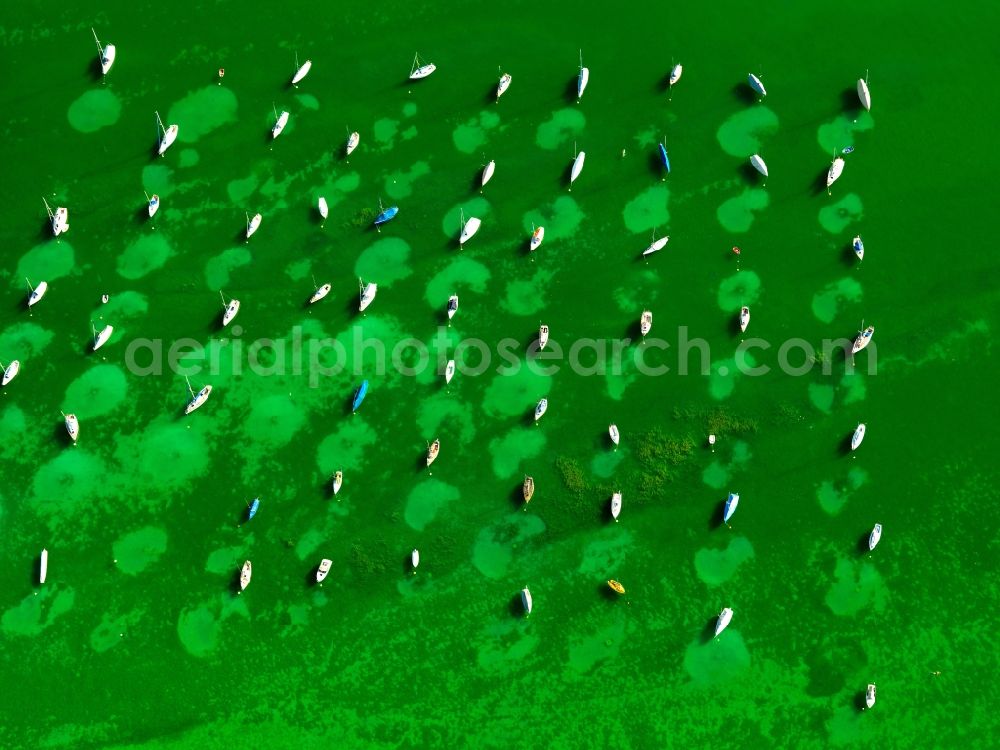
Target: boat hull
{"points": [[541, 408], [536, 238], [469, 230], [613, 432], [279, 126], [616, 505], [675, 73], [581, 82], [359, 395], [10, 372], [198, 401], [324, 208], [864, 95], [577, 167], [488, 172], [169, 136], [302, 72], [108, 59], [836, 169], [526, 601], [725, 617], [757, 163], [656, 246], [254, 225], [756, 84], [320, 294], [731, 503]]}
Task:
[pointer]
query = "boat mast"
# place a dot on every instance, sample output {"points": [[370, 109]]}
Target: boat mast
{"points": [[100, 49], [158, 120], [48, 210], [32, 289], [248, 225], [190, 389], [581, 59], [223, 299]]}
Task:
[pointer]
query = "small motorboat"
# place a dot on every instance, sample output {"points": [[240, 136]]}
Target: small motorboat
{"points": [[645, 322], [613, 432], [543, 336], [577, 167], [864, 338], [711, 440], [675, 73], [323, 569], [230, 310], [245, 573], [100, 339], [169, 135], [725, 616], [385, 214], [859, 247], [197, 399], [664, 157], [744, 318], [874, 537], [582, 79], [616, 505], [359, 395], [320, 293], [656, 246], [279, 124], [540, 408], [153, 205], [616, 587], [37, 292], [870, 695], [302, 72], [836, 169], [449, 371], [253, 508], [858, 436], [452, 306], [731, 502], [368, 292], [537, 235], [756, 85], [420, 71], [864, 94], [757, 163], [43, 566], [324, 208], [528, 489], [488, 172], [415, 559], [9, 372], [469, 228], [72, 426], [503, 85], [338, 481], [106, 54], [58, 218], [526, 602], [352, 142], [432, 451], [253, 224], [847, 150]]}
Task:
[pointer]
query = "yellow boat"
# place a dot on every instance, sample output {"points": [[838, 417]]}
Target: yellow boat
{"points": [[617, 587]]}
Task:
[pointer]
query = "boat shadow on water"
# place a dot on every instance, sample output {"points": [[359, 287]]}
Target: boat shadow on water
{"points": [[516, 608], [751, 175], [859, 701], [516, 497], [743, 93], [862, 545], [569, 94], [819, 184], [607, 593], [655, 166], [708, 632], [850, 103], [716, 521], [848, 256]]}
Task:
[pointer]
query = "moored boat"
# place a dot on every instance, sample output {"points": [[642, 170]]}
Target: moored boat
{"points": [[433, 450], [744, 318], [875, 536], [616, 587], [385, 214], [368, 292], [72, 426], [230, 310], [338, 481], [758, 163], [452, 306], [870, 695], [616, 505], [863, 339], [675, 73], [43, 566], [582, 79], [9, 372], [756, 85], [168, 136], [253, 224], [254, 507], [656, 245], [645, 322], [836, 169], [577, 167], [421, 71], [320, 293], [449, 371], [613, 432], [725, 616], [528, 489], [352, 142], [543, 336], [664, 157], [503, 85], [864, 94], [526, 602], [302, 72], [323, 206], [858, 436], [540, 408], [197, 399], [323, 569], [537, 235], [245, 573], [415, 559], [359, 395], [280, 121], [731, 502], [106, 54], [37, 292], [59, 219], [488, 172], [100, 339], [469, 228], [859, 247], [153, 205]]}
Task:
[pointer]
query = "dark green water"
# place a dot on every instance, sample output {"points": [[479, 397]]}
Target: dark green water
{"points": [[138, 638]]}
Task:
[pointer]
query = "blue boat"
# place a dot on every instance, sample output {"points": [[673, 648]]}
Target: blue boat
{"points": [[359, 395], [253, 508], [664, 158], [847, 150], [731, 504], [386, 214]]}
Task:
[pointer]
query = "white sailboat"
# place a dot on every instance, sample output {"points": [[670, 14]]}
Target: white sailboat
{"points": [[37, 292], [731, 503], [543, 336], [196, 399], [43, 566], [613, 432], [72, 426], [452, 306], [756, 85], [169, 135], [540, 408], [421, 71], [353, 139], [449, 371], [324, 208], [106, 54], [675, 73], [616, 505], [870, 695], [152, 204], [656, 245], [863, 93], [874, 537], [302, 71], [100, 339], [836, 169], [415, 559], [245, 573], [338, 481], [433, 450], [503, 85], [645, 322], [323, 569], [230, 310], [864, 338], [253, 223], [280, 121], [368, 292], [577, 166], [537, 235], [59, 218], [744, 318], [526, 601], [758, 163], [9, 372], [582, 80], [469, 228], [858, 436], [725, 616], [488, 172], [320, 293], [859, 247]]}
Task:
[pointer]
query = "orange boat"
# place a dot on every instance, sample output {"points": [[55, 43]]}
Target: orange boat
{"points": [[616, 587]]}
